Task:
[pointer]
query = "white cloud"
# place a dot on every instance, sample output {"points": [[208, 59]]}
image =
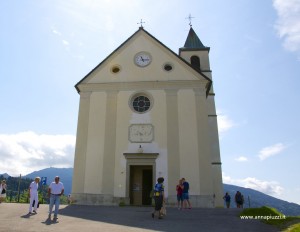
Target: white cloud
{"points": [[54, 31], [65, 42], [272, 188], [271, 150], [224, 123], [26, 152], [268, 187], [241, 159], [288, 23]]}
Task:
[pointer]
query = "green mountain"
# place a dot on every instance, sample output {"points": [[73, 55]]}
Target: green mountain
{"points": [[256, 199]]}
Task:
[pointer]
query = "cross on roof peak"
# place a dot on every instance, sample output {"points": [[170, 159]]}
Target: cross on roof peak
{"points": [[190, 19], [141, 22]]}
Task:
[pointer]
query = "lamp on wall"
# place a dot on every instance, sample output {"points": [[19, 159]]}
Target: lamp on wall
{"points": [[140, 149]]}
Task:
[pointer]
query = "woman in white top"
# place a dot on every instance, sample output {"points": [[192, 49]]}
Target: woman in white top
{"points": [[33, 195], [2, 191]]}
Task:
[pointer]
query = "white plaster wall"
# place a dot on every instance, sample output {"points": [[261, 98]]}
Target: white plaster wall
{"points": [[159, 120], [125, 117], [189, 154], [210, 104], [95, 144], [218, 185]]}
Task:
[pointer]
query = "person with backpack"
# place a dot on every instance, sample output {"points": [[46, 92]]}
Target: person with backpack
{"points": [[159, 198], [239, 199]]}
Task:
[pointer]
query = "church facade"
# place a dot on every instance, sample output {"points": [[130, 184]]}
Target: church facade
{"points": [[146, 112]]}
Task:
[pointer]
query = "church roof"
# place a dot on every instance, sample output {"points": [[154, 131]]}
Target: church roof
{"points": [[193, 41]]}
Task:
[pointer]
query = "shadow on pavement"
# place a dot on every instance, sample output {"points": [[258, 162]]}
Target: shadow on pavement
{"points": [[176, 220]]}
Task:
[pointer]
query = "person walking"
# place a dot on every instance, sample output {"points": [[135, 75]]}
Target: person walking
{"points": [[227, 199], [3, 187], [179, 189], [55, 190], [239, 199], [185, 194], [33, 195], [159, 198]]}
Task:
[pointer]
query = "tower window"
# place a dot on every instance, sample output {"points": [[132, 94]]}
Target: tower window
{"points": [[195, 62]]}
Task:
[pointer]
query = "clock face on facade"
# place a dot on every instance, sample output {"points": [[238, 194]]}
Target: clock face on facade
{"points": [[141, 133], [142, 59]]}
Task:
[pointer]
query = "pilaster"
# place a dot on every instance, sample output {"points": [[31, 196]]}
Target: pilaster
{"points": [[172, 139], [205, 172], [81, 143], [108, 171]]}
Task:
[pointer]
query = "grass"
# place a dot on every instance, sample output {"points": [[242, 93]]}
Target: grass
{"points": [[271, 216], [293, 228]]}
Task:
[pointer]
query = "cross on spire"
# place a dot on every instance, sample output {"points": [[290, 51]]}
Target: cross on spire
{"points": [[190, 19], [141, 22]]}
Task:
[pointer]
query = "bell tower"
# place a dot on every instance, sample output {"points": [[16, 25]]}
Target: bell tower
{"points": [[196, 54]]}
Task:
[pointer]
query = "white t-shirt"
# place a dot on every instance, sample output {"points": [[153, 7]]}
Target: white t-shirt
{"points": [[1, 188], [56, 188], [33, 187]]}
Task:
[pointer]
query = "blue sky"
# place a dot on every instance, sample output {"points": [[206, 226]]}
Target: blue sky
{"points": [[48, 46]]}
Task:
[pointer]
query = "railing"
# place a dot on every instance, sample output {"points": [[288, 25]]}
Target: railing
{"points": [[15, 197]]}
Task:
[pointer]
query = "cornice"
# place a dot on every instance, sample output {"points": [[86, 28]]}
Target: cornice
{"points": [[144, 85], [140, 155]]}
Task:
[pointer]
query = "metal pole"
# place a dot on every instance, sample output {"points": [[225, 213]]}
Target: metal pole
{"points": [[43, 194], [249, 201], [19, 189]]}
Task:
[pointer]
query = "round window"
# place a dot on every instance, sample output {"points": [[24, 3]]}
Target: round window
{"points": [[168, 67], [115, 69], [140, 103]]}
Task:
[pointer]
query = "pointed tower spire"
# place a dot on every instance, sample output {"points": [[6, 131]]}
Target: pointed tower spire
{"points": [[192, 40]]}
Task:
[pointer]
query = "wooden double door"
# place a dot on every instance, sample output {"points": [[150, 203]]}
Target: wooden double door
{"points": [[141, 184]]}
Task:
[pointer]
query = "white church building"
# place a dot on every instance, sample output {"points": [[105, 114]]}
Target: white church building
{"points": [[146, 112]]}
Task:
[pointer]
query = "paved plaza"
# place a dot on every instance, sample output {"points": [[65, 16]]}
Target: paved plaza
{"points": [[14, 217]]}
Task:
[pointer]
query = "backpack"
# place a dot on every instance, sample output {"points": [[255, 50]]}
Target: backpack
{"points": [[239, 198], [158, 189]]}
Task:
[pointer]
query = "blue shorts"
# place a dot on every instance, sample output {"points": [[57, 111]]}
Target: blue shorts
{"points": [[179, 198], [185, 196]]}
